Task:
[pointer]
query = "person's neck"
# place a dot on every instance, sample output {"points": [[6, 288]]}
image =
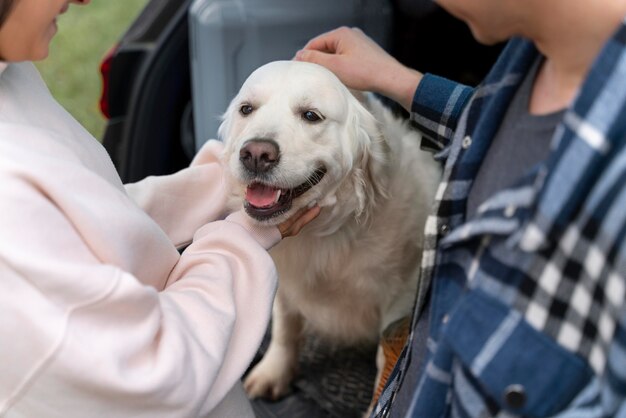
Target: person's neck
{"points": [[570, 44]]}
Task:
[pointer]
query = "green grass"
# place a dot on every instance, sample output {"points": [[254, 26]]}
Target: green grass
{"points": [[72, 69]]}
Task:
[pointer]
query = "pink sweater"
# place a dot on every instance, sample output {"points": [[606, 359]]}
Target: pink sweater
{"points": [[99, 314]]}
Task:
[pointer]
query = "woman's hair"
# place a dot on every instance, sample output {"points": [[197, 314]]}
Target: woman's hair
{"points": [[5, 9]]}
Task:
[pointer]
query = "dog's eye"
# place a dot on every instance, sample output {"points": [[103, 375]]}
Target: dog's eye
{"points": [[311, 116], [246, 109]]}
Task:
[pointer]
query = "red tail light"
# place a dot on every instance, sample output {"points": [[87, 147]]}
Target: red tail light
{"points": [[105, 70]]}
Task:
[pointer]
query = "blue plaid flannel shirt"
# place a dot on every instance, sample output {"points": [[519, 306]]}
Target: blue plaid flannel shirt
{"points": [[528, 314]]}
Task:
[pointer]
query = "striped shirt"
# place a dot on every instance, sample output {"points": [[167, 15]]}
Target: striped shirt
{"points": [[528, 312]]}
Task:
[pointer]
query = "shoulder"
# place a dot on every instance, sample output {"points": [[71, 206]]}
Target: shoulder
{"points": [[20, 143]]}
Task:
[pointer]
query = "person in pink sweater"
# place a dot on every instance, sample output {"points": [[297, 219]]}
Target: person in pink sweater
{"points": [[100, 315]]}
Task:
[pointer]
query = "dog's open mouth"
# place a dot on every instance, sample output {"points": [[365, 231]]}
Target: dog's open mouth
{"points": [[264, 201]]}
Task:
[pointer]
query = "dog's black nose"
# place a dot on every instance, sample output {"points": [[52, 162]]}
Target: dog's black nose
{"points": [[259, 155]]}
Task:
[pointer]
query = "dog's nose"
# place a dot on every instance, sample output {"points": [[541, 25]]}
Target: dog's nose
{"points": [[259, 155]]}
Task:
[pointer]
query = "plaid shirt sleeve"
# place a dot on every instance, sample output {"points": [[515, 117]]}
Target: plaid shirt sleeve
{"points": [[436, 108]]}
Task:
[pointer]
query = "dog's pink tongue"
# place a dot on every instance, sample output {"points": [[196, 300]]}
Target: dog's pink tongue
{"points": [[260, 195]]}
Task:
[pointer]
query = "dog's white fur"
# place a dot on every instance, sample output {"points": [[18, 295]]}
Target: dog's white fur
{"points": [[354, 269]]}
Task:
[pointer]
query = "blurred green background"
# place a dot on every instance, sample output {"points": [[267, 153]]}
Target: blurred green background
{"points": [[72, 69]]}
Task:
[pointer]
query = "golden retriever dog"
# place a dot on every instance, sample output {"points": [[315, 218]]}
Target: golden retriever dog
{"points": [[295, 136]]}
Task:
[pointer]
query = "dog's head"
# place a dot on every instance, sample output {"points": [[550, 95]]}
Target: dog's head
{"points": [[294, 135]]}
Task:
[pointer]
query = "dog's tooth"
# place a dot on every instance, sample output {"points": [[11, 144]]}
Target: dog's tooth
{"points": [[278, 192]]}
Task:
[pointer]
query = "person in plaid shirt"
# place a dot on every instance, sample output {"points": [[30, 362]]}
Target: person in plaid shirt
{"points": [[521, 309]]}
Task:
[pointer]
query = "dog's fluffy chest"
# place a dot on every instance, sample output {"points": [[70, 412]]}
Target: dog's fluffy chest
{"points": [[340, 287]]}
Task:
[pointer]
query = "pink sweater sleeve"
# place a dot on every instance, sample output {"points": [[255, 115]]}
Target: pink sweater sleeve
{"points": [[184, 201], [224, 281]]}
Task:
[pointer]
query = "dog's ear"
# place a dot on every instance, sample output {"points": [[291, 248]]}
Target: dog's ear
{"points": [[223, 131], [370, 173]]}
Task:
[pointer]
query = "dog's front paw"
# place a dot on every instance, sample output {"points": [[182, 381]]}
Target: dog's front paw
{"points": [[270, 378]]}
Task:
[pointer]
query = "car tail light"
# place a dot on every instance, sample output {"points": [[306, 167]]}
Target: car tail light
{"points": [[105, 71]]}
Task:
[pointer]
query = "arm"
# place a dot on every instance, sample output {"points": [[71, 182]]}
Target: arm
{"points": [[184, 201]]}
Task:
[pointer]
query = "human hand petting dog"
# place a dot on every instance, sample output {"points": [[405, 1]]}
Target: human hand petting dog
{"points": [[361, 64], [293, 225]]}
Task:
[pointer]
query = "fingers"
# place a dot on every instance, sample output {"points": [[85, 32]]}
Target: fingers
{"points": [[316, 57], [324, 43], [323, 49], [343, 66], [361, 64], [357, 60], [330, 41], [293, 225]]}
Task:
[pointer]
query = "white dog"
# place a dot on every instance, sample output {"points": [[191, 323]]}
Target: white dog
{"points": [[295, 136]]}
